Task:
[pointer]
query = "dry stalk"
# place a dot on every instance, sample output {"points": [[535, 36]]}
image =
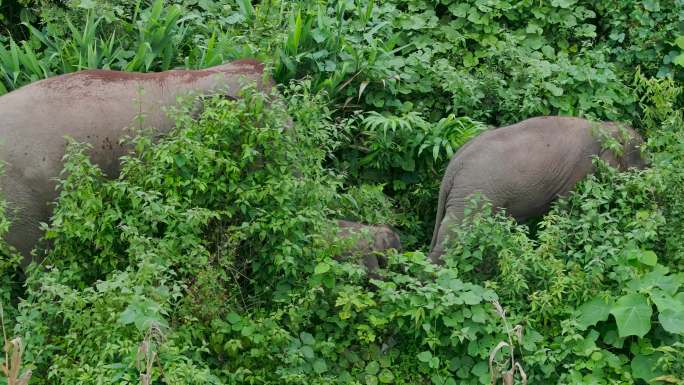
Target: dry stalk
{"points": [[147, 354], [11, 368], [497, 371]]}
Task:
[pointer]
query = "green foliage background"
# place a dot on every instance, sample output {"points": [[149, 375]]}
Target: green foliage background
{"points": [[214, 253]]}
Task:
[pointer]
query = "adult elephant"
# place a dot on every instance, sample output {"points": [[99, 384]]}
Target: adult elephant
{"points": [[523, 167], [95, 107]]}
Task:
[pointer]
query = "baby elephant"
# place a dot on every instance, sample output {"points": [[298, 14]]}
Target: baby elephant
{"points": [[367, 241], [522, 168]]}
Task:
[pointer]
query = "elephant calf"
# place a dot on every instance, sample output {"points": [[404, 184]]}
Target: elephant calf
{"points": [[367, 241], [92, 106], [523, 167]]}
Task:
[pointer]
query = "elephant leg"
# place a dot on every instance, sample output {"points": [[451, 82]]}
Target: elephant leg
{"points": [[372, 265], [452, 217], [25, 211]]}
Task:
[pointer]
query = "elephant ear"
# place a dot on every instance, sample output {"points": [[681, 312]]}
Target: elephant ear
{"points": [[609, 156], [612, 148]]}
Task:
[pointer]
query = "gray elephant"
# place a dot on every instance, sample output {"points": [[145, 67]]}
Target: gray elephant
{"points": [[95, 107], [367, 241], [523, 167]]}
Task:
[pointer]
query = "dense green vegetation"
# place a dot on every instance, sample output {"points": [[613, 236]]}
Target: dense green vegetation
{"points": [[209, 260]]}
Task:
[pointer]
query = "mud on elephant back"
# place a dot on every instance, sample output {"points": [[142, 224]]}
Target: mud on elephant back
{"points": [[523, 167], [94, 107]]}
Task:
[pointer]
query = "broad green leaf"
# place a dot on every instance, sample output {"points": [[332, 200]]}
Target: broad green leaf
{"points": [[386, 376], [651, 5], [672, 320], [633, 315], [471, 298], [648, 258], [679, 60], [322, 268], [679, 41], [320, 366], [434, 363], [425, 356], [611, 338], [128, 316], [373, 367], [479, 314], [233, 318], [307, 352], [658, 278], [307, 338], [593, 312], [665, 301], [563, 3], [554, 89], [644, 366]]}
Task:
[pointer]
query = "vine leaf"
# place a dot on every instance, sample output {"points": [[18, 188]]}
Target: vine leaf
{"points": [[672, 321], [645, 367], [633, 315], [593, 312]]}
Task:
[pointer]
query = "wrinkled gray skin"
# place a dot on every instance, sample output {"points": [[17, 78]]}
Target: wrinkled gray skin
{"points": [[368, 241], [524, 167], [95, 107]]}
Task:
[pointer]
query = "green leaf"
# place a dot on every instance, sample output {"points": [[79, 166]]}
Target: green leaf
{"points": [[478, 314], [563, 3], [425, 356], [471, 298], [180, 160], [593, 312], [233, 318], [307, 338], [470, 60], [645, 366], [679, 60], [587, 345], [672, 321], [648, 258], [128, 316], [87, 4], [320, 366], [373, 367], [143, 313], [322, 268], [679, 42], [633, 315], [307, 352], [651, 5], [386, 376], [657, 278], [611, 338], [554, 89], [665, 301]]}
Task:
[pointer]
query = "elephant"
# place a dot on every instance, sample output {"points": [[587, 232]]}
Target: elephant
{"points": [[367, 241], [94, 107], [523, 167]]}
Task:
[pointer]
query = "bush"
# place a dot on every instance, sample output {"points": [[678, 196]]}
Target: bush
{"points": [[210, 260], [600, 286]]}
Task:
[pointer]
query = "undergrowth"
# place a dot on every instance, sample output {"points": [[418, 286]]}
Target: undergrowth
{"points": [[209, 259]]}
